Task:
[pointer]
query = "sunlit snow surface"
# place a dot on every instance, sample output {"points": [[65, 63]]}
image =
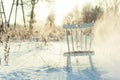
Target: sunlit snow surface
{"points": [[34, 61]]}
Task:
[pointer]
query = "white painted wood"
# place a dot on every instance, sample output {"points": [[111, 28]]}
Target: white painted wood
{"points": [[86, 25], [85, 42], [90, 41], [68, 56], [81, 39], [72, 41], [91, 63], [77, 39], [74, 26], [79, 53]]}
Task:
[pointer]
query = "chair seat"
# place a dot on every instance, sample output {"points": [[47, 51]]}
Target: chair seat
{"points": [[79, 53]]}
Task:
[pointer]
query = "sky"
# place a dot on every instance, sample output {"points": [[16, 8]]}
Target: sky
{"points": [[61, 8], [65, 6]]}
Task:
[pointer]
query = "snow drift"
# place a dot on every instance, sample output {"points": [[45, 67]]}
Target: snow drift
{"points": [[107, 45]]}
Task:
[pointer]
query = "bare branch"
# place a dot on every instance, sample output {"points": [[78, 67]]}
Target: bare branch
{"points": [[36, 1], [33, 2]]}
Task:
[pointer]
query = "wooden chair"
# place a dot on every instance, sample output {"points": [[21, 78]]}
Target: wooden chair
{"points": [[79, 41]]}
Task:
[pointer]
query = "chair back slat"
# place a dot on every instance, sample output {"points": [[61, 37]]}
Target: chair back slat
{"points": [[68, 44], [72, 40], [90, 39], [85, 42], [79, 37]]}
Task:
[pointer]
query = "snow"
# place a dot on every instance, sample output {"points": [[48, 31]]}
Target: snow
{"points": [[34, 61]]}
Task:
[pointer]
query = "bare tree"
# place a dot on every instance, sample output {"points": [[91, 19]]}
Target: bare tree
{"points": [[33, 3], [116, 4], [73, 17], [7, 49], [112, 5], [49, 26], [0, 60], [90, 14], [51, 19], [32, 13]]}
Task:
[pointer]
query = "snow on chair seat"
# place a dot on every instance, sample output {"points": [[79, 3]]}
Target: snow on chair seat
{"points": [[79, 53], [79, 41]]}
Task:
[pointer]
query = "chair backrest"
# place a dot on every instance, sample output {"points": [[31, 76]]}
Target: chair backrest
{"points": [[79, 37]]}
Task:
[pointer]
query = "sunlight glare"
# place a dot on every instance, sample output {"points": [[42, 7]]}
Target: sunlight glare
{"points": [[62, 7]]}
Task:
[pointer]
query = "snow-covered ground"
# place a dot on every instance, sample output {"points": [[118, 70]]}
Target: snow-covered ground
{"points": [[34, 61]]}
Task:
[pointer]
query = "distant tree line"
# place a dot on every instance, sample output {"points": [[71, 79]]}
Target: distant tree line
{"points": [[90, 13]]}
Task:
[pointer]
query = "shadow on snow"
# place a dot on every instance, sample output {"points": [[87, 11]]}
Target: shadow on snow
{"points": [[49, 73]]}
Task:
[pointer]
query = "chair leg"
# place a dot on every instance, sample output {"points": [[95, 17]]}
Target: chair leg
{"points": [[68, 62], [91, 63]]}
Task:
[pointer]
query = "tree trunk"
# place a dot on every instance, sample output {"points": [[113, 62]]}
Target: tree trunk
{"points": [[32, 19]]}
